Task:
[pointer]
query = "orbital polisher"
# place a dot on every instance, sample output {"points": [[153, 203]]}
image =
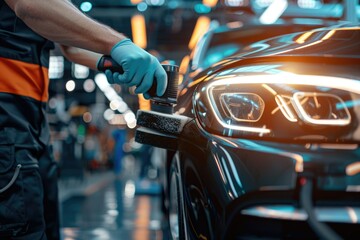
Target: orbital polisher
{"points": [[157, 126], [164, 103]]}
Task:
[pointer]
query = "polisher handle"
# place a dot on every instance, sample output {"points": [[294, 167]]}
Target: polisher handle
{"points": [[172, 71], [107, 63]]}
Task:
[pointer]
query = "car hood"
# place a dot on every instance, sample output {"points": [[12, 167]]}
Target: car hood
{"points": [[341, 42], [330, 42]]}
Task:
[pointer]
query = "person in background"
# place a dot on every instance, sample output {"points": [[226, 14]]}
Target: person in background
{"points": [[28, 28], [92, 148], [119, 135]]}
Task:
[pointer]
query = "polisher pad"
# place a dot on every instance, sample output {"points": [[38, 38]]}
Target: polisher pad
{"points": [[165, 123]]}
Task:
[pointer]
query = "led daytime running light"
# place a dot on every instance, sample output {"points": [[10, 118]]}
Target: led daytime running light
{"points": [[341, 118]]}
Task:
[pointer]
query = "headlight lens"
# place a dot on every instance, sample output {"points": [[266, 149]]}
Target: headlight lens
{"points": [[321, 108], [242, 107], [283, 106]]}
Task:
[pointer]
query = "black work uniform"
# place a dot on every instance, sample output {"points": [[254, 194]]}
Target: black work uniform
{"points": [[28, 176]]}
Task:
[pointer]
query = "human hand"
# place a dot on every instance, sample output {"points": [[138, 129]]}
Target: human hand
{"points": [[140, 68], [110, 76]]}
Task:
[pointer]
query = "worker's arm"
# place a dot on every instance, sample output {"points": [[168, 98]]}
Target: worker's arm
{"points": [[60, 21], [81, 56]]}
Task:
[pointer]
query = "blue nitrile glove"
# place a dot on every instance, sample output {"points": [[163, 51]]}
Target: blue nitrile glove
{"points": [[109, 76], [140, 68]]}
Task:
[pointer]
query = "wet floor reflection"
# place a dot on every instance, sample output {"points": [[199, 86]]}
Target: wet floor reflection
{"points": [[113, 212]]}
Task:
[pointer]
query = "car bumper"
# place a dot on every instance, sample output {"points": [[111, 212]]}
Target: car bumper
{"points": [[266, 203], [277, 214]]}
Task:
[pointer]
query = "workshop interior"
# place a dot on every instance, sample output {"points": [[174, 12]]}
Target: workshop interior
{"points": [[257, 135]]}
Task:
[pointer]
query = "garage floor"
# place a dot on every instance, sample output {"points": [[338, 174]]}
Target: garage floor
{"points": [[106, 207]]}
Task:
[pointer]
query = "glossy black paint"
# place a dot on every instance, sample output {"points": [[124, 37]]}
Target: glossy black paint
{"points": [[223, 174], [219, 173], [226, 40]]}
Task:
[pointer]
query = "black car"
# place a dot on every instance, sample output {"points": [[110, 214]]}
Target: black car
{"points": [[222, 41], [266, 143]]}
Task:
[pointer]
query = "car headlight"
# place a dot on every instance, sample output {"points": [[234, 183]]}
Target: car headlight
{"points": [[242, 107], [283, 106]]}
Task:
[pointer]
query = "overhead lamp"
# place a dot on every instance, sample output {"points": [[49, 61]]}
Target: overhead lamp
{"points": [[236, 3], [201, 26], [135, 1], [210, 3], [310, 4], [273, 12], [109, 114], [86, 6], [138, 28], [70, 85], [56, 67], [80, 71], [142, 7], [155, 2], [87, 117], [202, 8], [89, 85]]}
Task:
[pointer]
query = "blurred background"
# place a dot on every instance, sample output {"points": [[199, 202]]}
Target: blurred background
{"points": [[109, 183]]}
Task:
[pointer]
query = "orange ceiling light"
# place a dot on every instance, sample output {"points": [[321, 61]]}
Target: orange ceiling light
{"points": [[138, 28], [210, 3], [134, 2], [353, 169], [201, 27]]}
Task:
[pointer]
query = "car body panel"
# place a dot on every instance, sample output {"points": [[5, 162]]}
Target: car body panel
{"points": [[232, 167], [225, 40], [231, 179], [222, 170]]}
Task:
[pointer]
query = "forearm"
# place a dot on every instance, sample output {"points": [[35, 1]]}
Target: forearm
{"points": [[60, 21], [81, 56]]}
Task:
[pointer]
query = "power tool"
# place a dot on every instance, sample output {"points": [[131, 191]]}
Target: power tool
{"points": [[160, 121], [164, 103]]}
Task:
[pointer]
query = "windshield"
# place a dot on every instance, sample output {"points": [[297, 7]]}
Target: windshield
{"points": [[225, 44]]}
